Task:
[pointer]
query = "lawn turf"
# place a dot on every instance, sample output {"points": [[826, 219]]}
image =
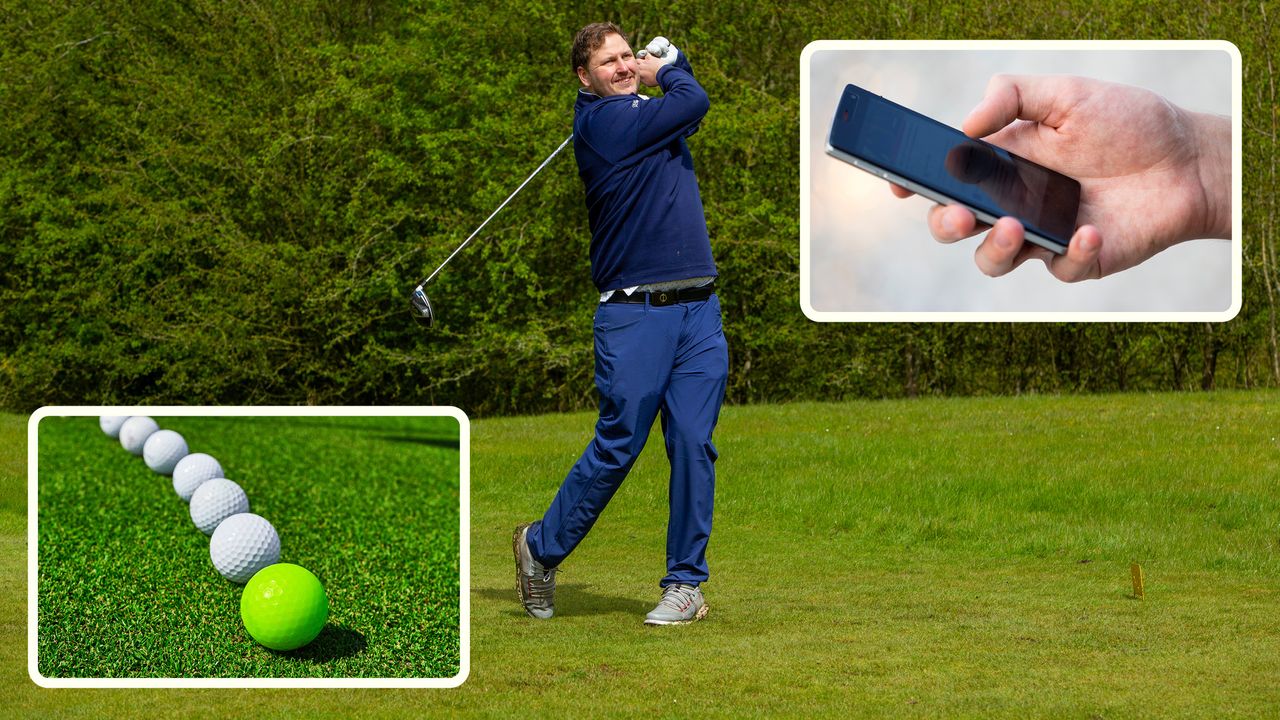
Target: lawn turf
{"points": [[926, 558], [369, 504]]}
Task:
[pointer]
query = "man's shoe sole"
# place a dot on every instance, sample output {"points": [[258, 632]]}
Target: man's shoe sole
{"points": [[702, 612]]}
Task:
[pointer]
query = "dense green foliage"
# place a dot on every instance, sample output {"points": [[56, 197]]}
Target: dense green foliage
{"points": [[369, 504], [216, 202]]}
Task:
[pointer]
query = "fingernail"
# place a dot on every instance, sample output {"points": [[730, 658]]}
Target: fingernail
{"points": [[1003, 241]]}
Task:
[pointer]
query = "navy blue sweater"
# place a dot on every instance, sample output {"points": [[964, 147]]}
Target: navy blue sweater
{"points": [[647, 223]]}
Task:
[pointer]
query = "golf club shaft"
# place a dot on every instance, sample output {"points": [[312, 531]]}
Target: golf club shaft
{"points": [[494, 213]]}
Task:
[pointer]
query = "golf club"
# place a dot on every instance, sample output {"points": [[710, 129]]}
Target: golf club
{"points": [[421, 305]]}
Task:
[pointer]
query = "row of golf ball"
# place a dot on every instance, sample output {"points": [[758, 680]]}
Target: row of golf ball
{"points": [[242, 543]]}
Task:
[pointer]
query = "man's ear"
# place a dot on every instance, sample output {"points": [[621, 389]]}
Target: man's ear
{"points": [[582, 77]]}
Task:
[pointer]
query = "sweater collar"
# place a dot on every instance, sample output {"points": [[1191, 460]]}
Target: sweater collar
{"points": [[586, 97]]}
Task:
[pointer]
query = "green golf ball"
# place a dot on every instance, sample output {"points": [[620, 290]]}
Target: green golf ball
{"points": [[284, 606]]}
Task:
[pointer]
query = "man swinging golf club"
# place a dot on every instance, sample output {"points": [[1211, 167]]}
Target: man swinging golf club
{"points": [[659, 346]]}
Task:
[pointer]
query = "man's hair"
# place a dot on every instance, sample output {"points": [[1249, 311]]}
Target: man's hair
{"points": [[589, 39]]}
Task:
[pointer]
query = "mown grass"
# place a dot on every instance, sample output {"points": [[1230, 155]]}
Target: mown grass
{"points": [[930, 558], [369, 504]]}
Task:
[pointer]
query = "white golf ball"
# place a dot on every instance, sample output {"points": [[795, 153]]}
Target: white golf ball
{"points": [[192, 471], [242, 545], [215, 501], [110, 424], [135, 431], [163, 450]]}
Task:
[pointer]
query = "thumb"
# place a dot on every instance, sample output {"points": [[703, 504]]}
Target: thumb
{"points": [[1043, 99]]}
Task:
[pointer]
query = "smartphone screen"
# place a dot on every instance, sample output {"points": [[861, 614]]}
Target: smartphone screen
{"points": [[945, 165]]}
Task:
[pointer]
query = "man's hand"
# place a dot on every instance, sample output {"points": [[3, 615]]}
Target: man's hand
{"points": [[662, 48], [647, 67], [1151, 174], [650, 60]]}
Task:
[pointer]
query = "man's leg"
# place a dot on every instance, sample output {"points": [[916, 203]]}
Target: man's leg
{"points": [[634, 346], [691, 407]]}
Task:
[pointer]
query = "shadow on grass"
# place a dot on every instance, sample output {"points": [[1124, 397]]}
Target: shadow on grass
{"points": [[573, 600], [334, 642], [445, 443]]}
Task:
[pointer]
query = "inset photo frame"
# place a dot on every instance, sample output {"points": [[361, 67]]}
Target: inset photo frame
{"points": [[248, 547], [1155, 125]]}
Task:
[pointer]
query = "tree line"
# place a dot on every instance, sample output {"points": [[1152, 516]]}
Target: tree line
{"points": [[228, 203]]}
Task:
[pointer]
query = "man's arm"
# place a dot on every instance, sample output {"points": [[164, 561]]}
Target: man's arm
{"points": [[680, 109], [682, 62], [623, 130]]}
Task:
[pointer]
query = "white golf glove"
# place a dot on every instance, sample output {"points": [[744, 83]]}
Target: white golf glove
{"points": [[662, 48]]}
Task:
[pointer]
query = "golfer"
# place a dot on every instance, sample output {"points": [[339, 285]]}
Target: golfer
{"points": [[659, 346]]}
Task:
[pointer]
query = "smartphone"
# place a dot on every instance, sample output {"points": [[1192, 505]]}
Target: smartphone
{"points": [[947, 166]]}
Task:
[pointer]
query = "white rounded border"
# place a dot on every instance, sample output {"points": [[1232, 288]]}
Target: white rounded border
{"points": [[1237, 173], [464, 549]]}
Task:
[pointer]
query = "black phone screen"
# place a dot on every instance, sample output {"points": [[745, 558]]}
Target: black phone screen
{"points": [[947, 161]]}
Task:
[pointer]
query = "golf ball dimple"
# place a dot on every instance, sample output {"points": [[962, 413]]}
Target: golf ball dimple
{"points": [[215, 501], [242, 545], [110, 424], [193, 471], [135, 431], [163, 450], [284, 606]]}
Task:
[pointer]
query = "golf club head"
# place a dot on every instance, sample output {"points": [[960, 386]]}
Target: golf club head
{"points": [[422, 311]]}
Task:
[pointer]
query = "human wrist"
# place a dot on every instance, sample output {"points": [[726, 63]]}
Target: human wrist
{"points": [[1213, 167]]}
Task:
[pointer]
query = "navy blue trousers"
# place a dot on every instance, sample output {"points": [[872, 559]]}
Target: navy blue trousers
{"points": [[670, 360]]}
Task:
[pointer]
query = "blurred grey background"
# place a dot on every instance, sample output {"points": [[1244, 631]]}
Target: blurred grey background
{"points": [[871, 252]]}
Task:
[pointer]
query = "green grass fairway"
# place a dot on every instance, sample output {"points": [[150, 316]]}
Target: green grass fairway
{"points": [[369, 504], [914, 559]]}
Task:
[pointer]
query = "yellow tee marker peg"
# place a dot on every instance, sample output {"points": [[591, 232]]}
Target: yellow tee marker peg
{"points": [[1135, 570]]}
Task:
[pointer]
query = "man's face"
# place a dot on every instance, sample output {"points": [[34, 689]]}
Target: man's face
{"points": [[611, 69]]}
